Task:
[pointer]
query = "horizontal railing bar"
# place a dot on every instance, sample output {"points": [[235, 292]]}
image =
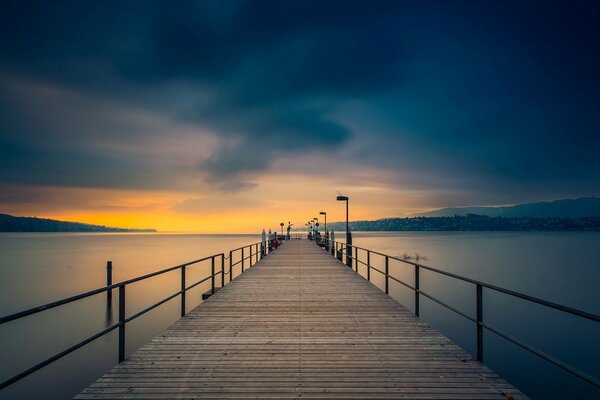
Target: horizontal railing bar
{"points": [[170, 298], [545, 356], [401, 282], [448, 306], [360, 261], [152, 307], [199, 282], [248, 245], [153, 274], [378, 270], [56, 357], [560, 307], [48, 306]]}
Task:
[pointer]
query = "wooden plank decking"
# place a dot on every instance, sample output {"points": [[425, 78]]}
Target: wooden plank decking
{"points": [[300, 324]]}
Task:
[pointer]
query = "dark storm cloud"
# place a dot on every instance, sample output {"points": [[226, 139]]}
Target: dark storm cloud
{"points": [[270, 71], [465, 94]]}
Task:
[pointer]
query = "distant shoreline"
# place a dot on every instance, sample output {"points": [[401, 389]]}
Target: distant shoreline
{"points": [[9, 223], [472, 223]]}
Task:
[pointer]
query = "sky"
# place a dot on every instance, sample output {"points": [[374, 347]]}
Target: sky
{"points": [[233, 116]]}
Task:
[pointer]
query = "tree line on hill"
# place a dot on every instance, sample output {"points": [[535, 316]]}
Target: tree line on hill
{"points": [[472, 222], [8, 223]]}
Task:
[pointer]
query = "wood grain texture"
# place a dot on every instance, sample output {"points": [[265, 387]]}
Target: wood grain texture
{"points": [[299, 324]]}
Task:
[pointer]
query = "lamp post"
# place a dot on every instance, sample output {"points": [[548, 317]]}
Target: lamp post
{"points": [[325, 214], [326, 233], [348, 234], [281, 224]]}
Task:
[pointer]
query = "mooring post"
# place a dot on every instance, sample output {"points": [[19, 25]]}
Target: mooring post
{"points": [[222, 270], [417, 290], [109, 282], [349, 249], [479, 321], [369, 265], [212, 274], [183, 291], [121, 323], [230, 265], [332, 243], [387, 270]]}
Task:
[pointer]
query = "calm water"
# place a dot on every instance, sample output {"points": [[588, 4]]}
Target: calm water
{"points": [[39, 268]]}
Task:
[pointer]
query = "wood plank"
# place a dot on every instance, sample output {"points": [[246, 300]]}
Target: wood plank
{"points": [[300, 324]]}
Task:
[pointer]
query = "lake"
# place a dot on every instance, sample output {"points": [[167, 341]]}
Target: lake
{"points": [[36, 268]]}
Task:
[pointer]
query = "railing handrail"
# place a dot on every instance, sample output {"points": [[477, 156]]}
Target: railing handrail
{"points": [[264, 250], [44, 307], [557, 306], [478, 320]]}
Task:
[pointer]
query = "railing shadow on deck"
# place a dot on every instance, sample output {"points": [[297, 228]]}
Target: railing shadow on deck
{"points": [[253, 252], [339, 250]]}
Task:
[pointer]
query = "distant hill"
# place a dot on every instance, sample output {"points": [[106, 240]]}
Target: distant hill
{"points": [[8, 223], [472, 222], [567, 208]]}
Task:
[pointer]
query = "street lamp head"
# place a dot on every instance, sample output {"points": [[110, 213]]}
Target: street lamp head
{"points": [[342, 198], [323, 213]]}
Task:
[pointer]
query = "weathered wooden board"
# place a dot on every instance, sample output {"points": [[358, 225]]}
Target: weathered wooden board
{"points": [[300, 324]]}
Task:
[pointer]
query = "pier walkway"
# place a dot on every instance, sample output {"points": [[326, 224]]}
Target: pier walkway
{"points": [[300, 324]]}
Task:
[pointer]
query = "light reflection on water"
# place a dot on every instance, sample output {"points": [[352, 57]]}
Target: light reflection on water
{"points": [[39, 268]]}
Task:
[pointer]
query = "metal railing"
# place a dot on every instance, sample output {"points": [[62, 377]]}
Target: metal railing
{"points": [[261, 249], [337, 249]]}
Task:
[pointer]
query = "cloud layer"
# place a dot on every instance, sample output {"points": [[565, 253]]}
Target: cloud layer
{"points": [[494, 101]]}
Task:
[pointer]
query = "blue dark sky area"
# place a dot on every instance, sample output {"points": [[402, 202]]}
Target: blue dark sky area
{"points": [[472, 102]]}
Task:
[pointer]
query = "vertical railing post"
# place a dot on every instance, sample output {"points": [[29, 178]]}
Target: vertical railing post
{"points": [[109, 282], [356, 258], [479, 321], [222, 270], [183, 291], [417, 290], [369, 265], [121, 323], [349, 254], [387, 272], [230, 265], [242, 260], [250, 256], [212, 274]]}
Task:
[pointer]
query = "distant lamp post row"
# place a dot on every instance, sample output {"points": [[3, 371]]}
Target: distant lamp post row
{"points": [[313, 230], [326, 242]]}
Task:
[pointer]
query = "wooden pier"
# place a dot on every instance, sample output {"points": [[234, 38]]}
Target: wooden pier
{"points": [[300, 324]]}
